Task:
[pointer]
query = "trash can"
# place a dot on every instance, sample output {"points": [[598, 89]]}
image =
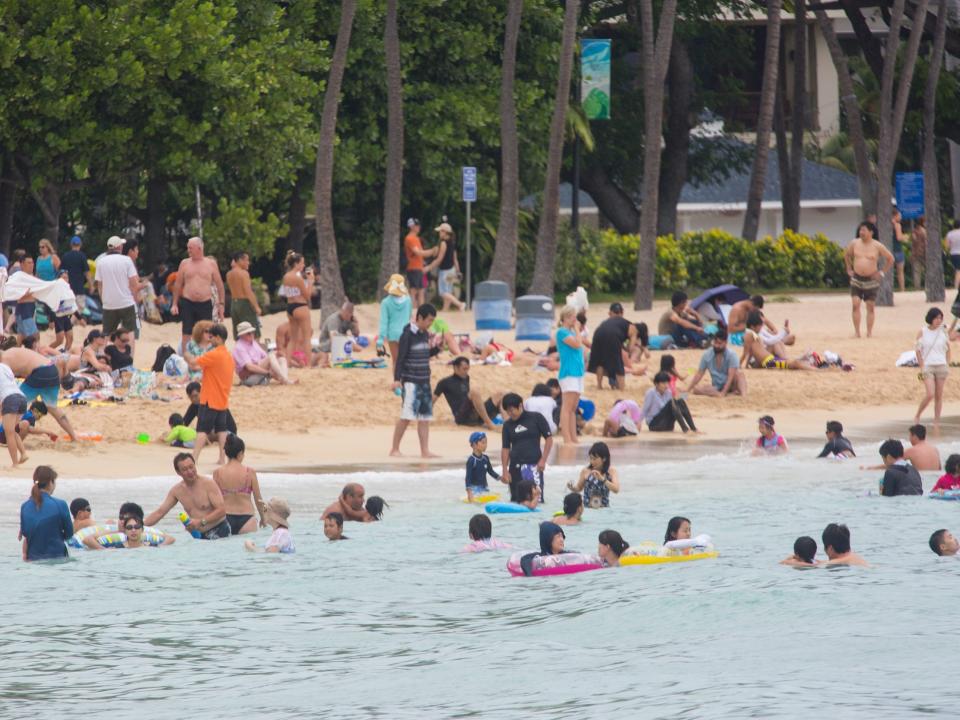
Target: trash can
{"points": [[534, 317], [492, 308]]}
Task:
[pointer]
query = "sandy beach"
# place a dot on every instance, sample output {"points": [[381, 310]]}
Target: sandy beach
{"points": [[336, 418]]}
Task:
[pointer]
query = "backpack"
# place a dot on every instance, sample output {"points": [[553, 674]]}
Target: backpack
{"points": [[163, 352]]}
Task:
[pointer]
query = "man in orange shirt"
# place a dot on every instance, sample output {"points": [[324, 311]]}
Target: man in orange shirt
{"points": [[413, 249], [217, 366]]}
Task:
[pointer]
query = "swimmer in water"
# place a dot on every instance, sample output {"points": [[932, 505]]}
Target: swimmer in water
{"points": [[770, 441], [374, 507], [350, 504], [528, 494], [572, 510], [677, 529], [478, 466], [82, 515], [611, 547], [333, 526], [480, 531], [836, 544], [277, 514], [804, 553], [943, 543], [598, 479]]}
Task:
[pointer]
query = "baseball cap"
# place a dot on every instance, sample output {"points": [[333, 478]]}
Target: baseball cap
{"points": [[412, 221], [75, 240], [616, 308], [115, 242], [476, 437]]}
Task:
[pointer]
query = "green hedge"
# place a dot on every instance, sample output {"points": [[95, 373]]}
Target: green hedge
{"points": [[707, 258]]}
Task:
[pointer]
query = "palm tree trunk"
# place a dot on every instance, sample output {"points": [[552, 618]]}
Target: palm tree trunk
{"points": [[296, 215], [390, 248], [8, 200], [656, 59], [504, 265], [768, 96], [893, 110], [543, 269], [936, 292], [676, 137], [331, 283], [798, 119], [848, 97]]}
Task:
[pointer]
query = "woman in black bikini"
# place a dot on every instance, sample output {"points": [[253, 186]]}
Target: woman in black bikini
{"points": [[294, 290], [240, 488]]}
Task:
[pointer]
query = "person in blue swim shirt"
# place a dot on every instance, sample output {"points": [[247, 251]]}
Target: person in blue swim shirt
{"points": [[478, 467], [45, 522]]}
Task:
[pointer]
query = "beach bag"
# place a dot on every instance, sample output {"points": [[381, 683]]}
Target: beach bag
{"points": [[160, 359], [143, 384]]}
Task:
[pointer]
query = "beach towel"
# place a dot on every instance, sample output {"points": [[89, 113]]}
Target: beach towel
{"points": [[908, 358], [55, 294]]}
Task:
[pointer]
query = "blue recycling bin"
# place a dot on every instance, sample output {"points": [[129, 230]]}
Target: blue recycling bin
{"points": [[534, 317], [492, 306]]}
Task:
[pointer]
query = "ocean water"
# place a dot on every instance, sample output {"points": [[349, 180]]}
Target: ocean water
{"points": [[395, 623]]}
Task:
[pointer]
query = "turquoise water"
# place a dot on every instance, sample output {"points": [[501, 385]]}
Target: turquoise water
{"points": [[395, 624]]}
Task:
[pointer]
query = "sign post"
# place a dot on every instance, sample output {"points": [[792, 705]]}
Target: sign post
{"points": [[910, 200], [469, 192]]}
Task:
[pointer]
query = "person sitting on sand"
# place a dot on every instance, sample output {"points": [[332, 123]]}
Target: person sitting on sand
{"points": [[610, 547], [949, 481], [724, 367], [180, 434], [350, 504], [276, 513], [943, 543], [804, 553], [341, 322], [770, 441], [240, 488], [572, 510], [624, 419], [478, 467], [837, 445], [199, 497], [755, 353], [921, 454], [468, 406], [663, 410], [900, 478], [597, 480], [836, 545], [82, 515], [41, 378], [683, 323], [480, 531], [254, 365], [333, 527]]}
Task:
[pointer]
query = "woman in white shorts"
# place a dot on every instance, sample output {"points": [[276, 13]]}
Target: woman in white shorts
{"points": [[933, 357], [570, 347]]}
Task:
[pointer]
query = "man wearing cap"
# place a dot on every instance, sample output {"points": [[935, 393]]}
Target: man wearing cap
{"points": [[193, 290], [415, 254], [449, 267], [606, 350], [341, 322], [74, 261], [254, 365], [118, 284]]}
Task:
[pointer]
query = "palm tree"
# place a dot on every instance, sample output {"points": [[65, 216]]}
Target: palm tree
{"points": [[768, 96], [543, 269], [331, 282], [656, 60], [936, 292], [504, 265], [390, 249]]}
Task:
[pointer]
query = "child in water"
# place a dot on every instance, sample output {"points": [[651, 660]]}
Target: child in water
{"points": [[333, 527], [374, 507], [277, 515], [572, 510], [478, 467], [679, 539], [597, 479], [804, 553], [951, 477], [770, 441], [180, 434], [480, 531]]}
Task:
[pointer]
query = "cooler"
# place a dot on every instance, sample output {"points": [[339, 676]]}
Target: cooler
{"points": [[492, 309], [534, 317]]}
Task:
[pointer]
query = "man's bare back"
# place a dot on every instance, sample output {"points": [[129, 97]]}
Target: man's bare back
{"points": [[923, 456], [848, 558], [238, 280]]}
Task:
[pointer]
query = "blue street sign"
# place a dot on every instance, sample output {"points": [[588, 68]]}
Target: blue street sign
{"points": [[469, 183], [910, 194]]}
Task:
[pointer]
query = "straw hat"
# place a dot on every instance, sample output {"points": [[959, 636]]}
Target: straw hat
{"points": [[279, 508], [396, 286], [245, 328]]}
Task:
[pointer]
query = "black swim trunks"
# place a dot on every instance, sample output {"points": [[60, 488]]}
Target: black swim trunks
{"points": [[212, 421], [193, 312], [236, 522], [217, 532]]}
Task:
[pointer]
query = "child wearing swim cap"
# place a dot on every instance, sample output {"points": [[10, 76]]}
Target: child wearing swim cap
{"points": [[478, 467]]}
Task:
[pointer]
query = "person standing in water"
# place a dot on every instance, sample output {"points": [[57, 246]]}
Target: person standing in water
{"points": [[240, 489], [45, 524]]}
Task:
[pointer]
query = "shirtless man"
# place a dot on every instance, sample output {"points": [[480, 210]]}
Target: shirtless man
{"points": [[350, 504], [243, 300], [200, 498], [921, 454], [863, 259], [41, 378], [836, 544], [755, 352], [192, 292]]}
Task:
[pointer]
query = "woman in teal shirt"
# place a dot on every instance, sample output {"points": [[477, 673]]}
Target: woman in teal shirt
{"points": [[48, 264], [45, 522], [395, 311], [570, 348]]}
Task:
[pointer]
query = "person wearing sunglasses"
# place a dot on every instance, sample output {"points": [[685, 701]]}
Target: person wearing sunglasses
{"points": [[82, 515]]}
